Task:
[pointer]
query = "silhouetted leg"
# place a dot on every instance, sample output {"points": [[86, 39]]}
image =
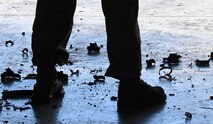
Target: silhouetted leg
{"points": [[124, 53], [123, 38], [51, 30]]}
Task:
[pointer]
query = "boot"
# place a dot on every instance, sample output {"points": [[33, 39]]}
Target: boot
{"points": [[47, 86], [138, 94]]}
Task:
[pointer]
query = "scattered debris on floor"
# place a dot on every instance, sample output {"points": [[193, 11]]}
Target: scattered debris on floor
{"points": [[165, 73], [150, 63], [77, 72], [95, 71], [211, 97], [207, 108], [189, 36], [8, 106], [93, 48], [5, 122], [190, 65], [23, 33], [30, 76], [9, 43], [99, 78], [202, 62], [25, 51], [16, 94], [21, 108], [188, 115], [192, 86], [91, 83], [173, 59], [114, 98], [171, 94], [9, 75]]}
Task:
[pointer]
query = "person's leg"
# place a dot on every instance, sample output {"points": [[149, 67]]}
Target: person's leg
{"points": [[51, 31], [123, 38], [124, 52]]}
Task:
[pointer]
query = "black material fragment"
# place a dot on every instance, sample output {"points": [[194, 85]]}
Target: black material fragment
{"points": [[9, 75], [9, 42], [202, 62], [173, 59], [93, 48], [17, 94], [150, 62]]}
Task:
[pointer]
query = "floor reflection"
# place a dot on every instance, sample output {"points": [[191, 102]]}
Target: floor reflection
{"points": [[140, 116], [48, 114]]}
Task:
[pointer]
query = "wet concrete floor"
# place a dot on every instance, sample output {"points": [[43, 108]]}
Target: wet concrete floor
{"points": [[177, 26]]}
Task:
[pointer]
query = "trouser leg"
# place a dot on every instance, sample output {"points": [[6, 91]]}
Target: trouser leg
{"points": [[123, 38], [51, 30]]}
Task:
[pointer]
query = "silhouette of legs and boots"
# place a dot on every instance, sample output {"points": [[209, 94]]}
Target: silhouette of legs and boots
{"points": [[124, 52], [51, 31]]}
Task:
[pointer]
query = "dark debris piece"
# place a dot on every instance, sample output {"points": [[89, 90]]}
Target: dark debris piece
{"points": [[71, 46], [188, 115], [93, 48], [95, 71], [173, 59], [9, 43], [99, 78], [74, 72], [202, 62], [25, 51], [9, 75], [211, 97], [5, 122], [17, 94], [114, 98], [91, 83], [171, 94], [31, 76], [165, 72], [19, 71], [190, 65], [150, 63], [20, 108], [62, 77], [28, 103], [23, 33], [167, 77]]}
